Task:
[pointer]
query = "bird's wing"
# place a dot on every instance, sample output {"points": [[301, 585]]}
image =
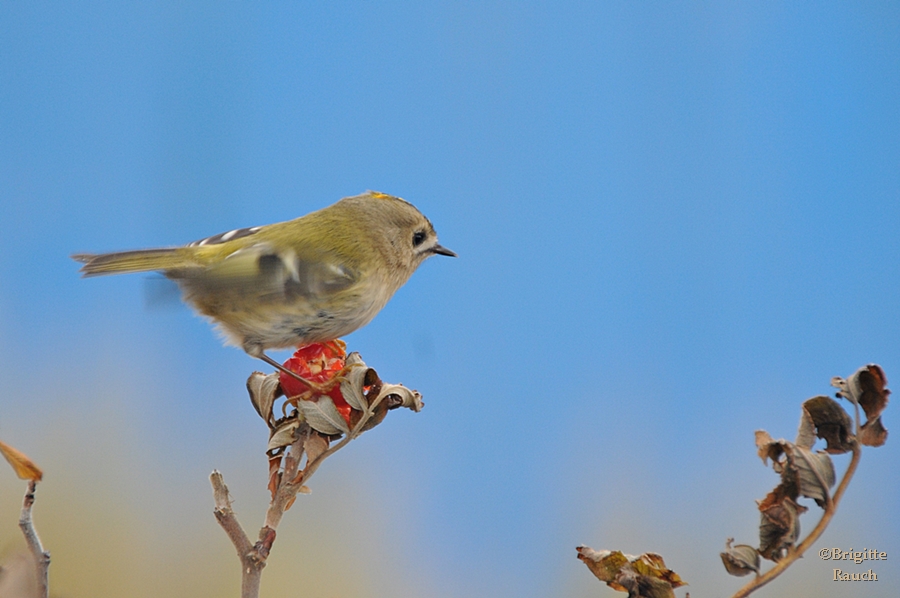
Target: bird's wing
{"points": [[272, 275]]}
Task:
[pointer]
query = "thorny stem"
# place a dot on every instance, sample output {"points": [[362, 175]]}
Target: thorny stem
{"points": [[829, 511], [41, 557]]}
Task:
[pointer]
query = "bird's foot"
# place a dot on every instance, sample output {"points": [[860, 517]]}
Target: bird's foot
{"points": [[314, 387]]}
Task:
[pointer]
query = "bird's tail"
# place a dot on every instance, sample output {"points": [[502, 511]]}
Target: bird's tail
{"points": [[142, 260]]}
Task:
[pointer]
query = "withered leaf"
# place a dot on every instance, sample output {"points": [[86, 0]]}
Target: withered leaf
{"points": [[740, 560], [873, 433], [802, 471], [283, 434], [806, 432], [314, 444], [873, 398], [21, 464], [867, 388], [870, 384], [604, 564], [263, 391], [651, 564], [640, 586], [274, 473], [644, 576], [815, 474], [831, 423], [411, 399], [768, 448], [779, 525], [323, 416], [353, 382]]}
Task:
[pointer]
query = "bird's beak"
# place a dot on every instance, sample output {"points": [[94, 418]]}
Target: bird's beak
{"points": [[443, 251]]}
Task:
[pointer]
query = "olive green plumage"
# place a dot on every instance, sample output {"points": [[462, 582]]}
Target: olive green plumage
{"points": [[312, 279]]}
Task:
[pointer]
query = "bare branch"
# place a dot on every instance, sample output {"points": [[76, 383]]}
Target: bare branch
{"points": [[251, 564], [41, 557]]}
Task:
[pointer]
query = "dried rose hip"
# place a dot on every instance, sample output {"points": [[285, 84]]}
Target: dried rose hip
{"points": [[319, 363]]}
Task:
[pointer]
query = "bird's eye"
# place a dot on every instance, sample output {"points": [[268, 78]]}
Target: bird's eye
{"points": [[419, 238]]}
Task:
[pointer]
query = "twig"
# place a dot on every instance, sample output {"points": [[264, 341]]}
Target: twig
{"points": [[254, 556], [41, 557], [251, 565]]}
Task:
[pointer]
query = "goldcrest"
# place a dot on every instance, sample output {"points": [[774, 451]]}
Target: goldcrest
{"points": [[312, 279]]}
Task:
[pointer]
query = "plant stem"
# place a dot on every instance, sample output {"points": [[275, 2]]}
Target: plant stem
{"points": [[41, 557], [797, 552], [251, 564]]}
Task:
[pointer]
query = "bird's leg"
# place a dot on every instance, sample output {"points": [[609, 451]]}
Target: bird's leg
{"points": [[317, 388]]}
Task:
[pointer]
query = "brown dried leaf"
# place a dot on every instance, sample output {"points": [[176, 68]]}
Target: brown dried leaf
{"points": [[831, 422], [870, 384], [815, 474], [873, 433], [639, 586], [768, 448], [353, 382], [315, 444], [651, 564], [604, 564], [779, 525], [644, 576], [873, 398], [740, 560], [802, 471], [323, 416], [21, 464], [403, 397], [806, 433], [867, 388], [263, 389], [283, 434], [274, 473], [776, 496]]}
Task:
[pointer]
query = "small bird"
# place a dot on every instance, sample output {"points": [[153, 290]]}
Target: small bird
{"points": [[308, 280]]}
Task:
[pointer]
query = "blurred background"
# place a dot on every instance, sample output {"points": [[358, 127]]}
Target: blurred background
{"points": [[675, 223]]}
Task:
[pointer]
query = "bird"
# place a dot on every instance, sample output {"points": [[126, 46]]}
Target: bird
{"points": [[312, 279]]}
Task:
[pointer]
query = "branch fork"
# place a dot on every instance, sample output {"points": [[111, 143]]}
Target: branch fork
{"points": [[307, 426]]}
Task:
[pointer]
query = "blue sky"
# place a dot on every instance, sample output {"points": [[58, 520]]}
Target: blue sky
{"points": [[675, 222]]}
